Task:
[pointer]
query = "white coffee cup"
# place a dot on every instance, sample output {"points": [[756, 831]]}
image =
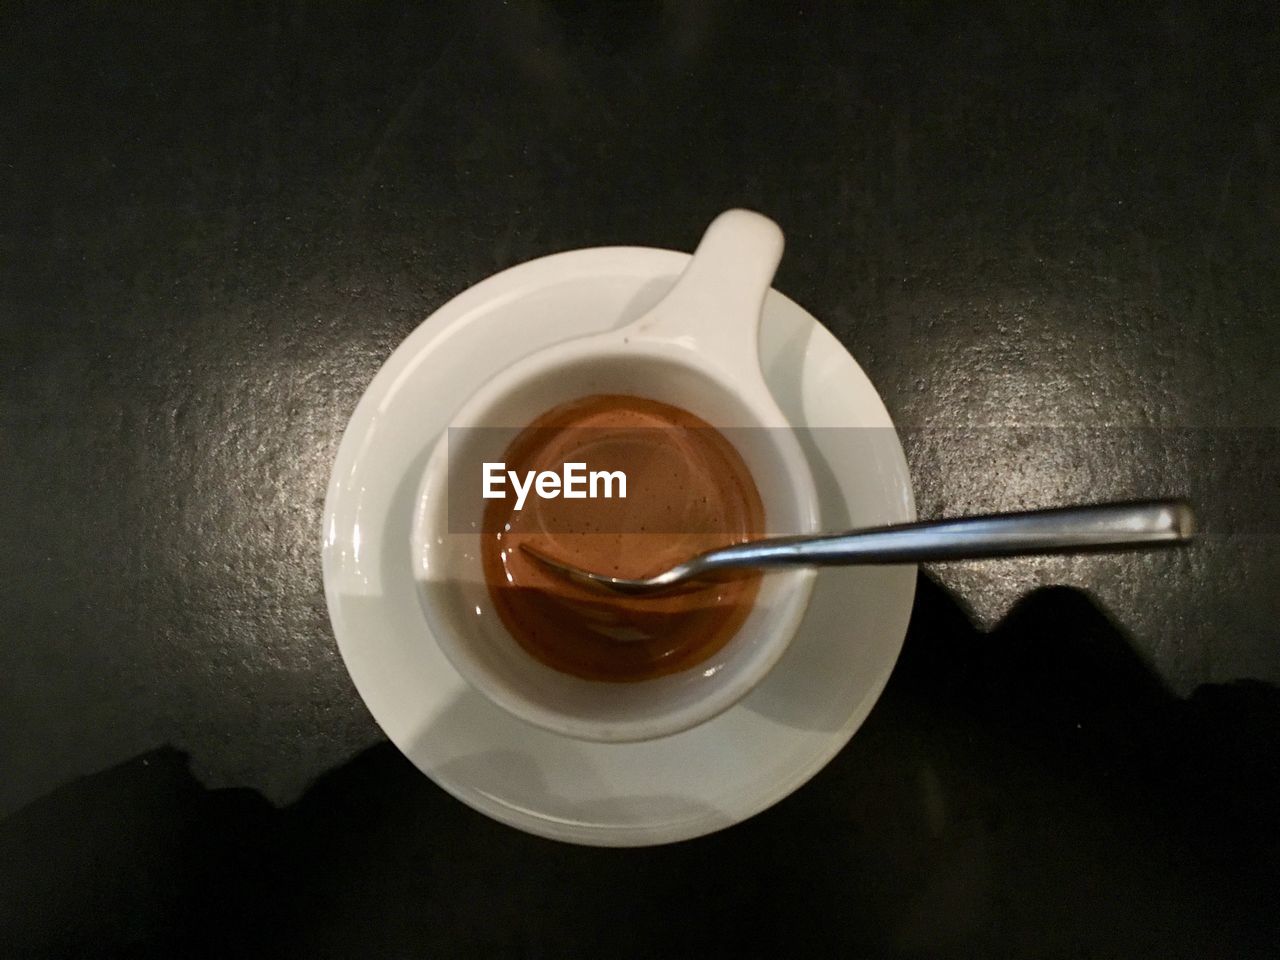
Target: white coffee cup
{"points": [[697, 350]]}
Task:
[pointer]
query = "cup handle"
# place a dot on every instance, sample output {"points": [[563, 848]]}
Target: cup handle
{"points": [[718, 299]]}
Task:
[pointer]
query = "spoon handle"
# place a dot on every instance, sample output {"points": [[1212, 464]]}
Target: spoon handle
{"points": [[1103, 527]]}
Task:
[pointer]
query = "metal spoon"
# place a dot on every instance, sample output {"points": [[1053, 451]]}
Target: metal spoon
{"points": [[1155, 523]]}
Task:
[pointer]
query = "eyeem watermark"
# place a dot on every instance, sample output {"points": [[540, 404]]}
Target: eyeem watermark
{"points": [[1229, 473], [575, 482]]}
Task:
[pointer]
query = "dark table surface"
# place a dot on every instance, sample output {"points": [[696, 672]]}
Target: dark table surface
{"points": [[1047, 231]]}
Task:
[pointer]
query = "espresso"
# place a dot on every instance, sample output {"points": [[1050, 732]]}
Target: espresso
{"points": [[687, 490]]}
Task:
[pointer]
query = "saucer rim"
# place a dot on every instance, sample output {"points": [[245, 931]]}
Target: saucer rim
{"points": [[409, 354]]}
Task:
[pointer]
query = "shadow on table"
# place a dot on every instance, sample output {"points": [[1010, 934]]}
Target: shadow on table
{"points": [[1032, 791]]}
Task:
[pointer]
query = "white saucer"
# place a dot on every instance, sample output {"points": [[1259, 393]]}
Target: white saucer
{"points": [[660, 791]]}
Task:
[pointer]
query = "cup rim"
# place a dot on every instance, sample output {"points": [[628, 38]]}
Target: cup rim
{"points": [[794, 586]]}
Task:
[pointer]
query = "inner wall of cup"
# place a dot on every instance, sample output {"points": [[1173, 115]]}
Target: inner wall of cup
{"points": [[473, 635]]}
